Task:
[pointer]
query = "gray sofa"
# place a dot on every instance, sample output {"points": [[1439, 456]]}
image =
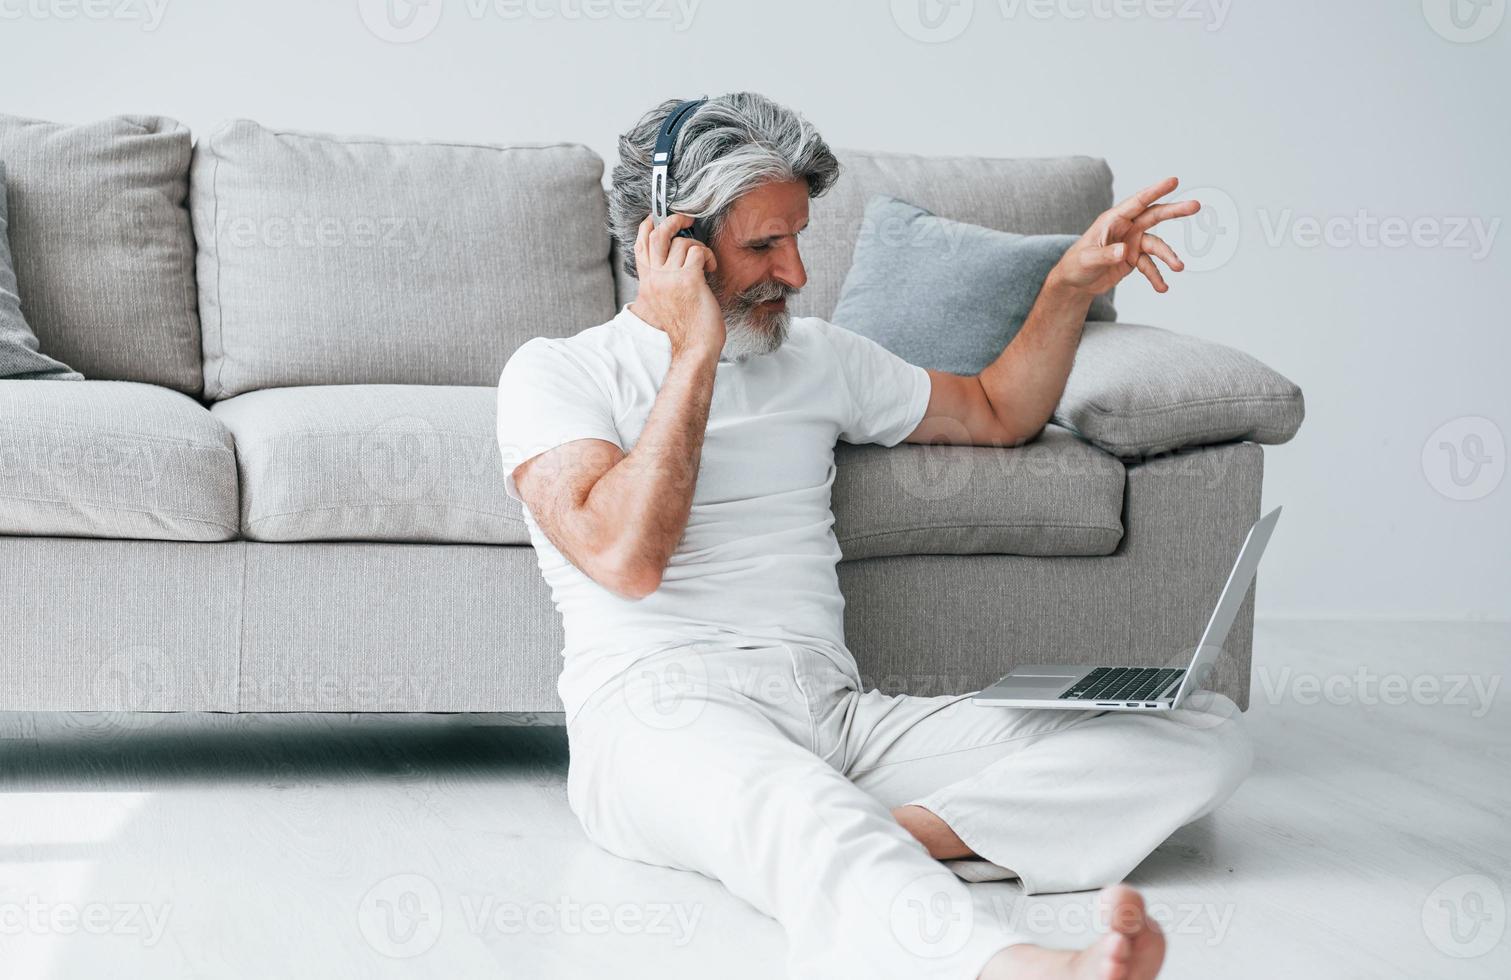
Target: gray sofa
{"points": [[280, 490]]}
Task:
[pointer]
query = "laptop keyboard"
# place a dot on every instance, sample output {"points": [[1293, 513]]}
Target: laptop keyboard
{"points": [[1123, 684]]}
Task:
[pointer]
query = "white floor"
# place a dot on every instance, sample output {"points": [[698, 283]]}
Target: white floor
{"points": [[441, 846]]}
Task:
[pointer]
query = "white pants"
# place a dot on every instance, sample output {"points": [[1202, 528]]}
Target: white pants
{"points": [[766, 768]]}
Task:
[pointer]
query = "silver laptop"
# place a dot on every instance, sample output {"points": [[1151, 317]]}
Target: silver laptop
{"points": [[1077, 688]]}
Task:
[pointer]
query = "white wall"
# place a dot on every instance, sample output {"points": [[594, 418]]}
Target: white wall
{"points": [[1292, 109]]}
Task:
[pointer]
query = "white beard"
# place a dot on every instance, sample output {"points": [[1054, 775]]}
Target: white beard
{"points": [[749, 334]]}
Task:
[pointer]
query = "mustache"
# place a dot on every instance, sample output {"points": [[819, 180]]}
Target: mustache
{"points": [[765, 292]]}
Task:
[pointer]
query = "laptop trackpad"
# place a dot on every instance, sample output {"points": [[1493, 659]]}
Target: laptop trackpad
{"points": [[1041, 683]]}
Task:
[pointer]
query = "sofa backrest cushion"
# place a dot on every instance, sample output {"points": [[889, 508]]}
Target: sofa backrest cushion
{"points": [[103, 252], [1051, 196], [359, 260]]}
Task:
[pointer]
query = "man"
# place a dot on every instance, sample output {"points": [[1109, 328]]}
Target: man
{"points": [[675, 464]]}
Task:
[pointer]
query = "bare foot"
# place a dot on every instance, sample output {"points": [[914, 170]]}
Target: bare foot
{"points": [[1133, 950]]}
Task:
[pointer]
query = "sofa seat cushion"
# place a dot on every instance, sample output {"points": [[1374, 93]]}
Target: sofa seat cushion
{"points": [[421, 463], [371, 463], [1054, 496], [113, 459]]}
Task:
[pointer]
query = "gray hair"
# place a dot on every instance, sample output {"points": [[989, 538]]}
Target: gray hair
{"points": [[732, 144]]}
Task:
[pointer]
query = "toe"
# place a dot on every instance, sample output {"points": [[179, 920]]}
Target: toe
{"points": [[1124, 909]]}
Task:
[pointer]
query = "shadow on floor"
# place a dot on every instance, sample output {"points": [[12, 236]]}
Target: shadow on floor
{"points": [[124, 751]]}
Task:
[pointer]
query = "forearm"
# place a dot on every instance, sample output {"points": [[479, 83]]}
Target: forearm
{"points": [[647, 497], [1025, 382]]}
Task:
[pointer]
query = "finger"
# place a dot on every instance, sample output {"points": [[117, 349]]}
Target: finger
{"points": [[1151, 272], [642, 241], [1131, 207], [661, 237], [1155, 245], [676, 255], [1165, 212], [700, 256], [1094, 259]]}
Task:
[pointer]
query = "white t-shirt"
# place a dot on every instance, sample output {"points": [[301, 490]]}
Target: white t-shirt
{"points": [[757, 560]]}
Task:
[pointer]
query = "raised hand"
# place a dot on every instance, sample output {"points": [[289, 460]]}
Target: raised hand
{"points": [[1119, 241], [674, 293]]}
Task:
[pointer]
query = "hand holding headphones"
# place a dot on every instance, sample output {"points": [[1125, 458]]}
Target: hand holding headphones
{"points": [[674, 294], [673, 260]]}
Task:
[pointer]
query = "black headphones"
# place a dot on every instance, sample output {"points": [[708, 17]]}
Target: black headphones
{"points": [[661, 165]]}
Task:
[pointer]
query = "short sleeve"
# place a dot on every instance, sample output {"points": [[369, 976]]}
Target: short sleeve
{"points": [[548, 397], [889, 395]]}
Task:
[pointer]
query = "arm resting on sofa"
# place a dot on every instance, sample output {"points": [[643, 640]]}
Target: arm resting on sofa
{"points": [[1138, 391]]}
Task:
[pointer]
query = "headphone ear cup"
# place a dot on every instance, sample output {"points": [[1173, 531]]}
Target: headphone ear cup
{"points": [[698, 232]]}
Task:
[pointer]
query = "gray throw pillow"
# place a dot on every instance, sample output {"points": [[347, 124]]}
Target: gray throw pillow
{"points": [[19, 356], [943, 294]]}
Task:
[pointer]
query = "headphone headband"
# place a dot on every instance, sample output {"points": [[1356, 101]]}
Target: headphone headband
{"points": [[666, 139], [661, 163]]}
